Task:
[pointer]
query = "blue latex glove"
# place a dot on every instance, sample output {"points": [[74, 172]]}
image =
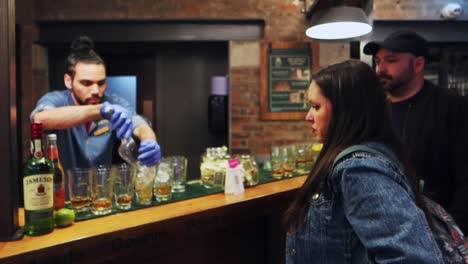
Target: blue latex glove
{"points": [[120, 119], [149, 152]]}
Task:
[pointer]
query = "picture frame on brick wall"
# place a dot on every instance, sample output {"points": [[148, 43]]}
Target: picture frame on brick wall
{"points": [[285, 74]]}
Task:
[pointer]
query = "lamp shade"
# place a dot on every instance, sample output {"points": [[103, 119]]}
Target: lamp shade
{"points": [[341, 22]]}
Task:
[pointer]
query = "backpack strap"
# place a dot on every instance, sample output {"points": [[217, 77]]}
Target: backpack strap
{"points": [[360, 148], [357, 148], [380, 153]]}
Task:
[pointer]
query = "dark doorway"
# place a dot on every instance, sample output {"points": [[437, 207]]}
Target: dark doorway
{"points": [[183, 80]]}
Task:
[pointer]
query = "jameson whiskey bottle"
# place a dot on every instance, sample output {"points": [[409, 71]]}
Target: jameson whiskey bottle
{"points": [[38, 178], [52, 154]]}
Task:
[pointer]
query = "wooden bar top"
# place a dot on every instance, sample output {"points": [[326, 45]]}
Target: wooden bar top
{"points": [[147, 220]]}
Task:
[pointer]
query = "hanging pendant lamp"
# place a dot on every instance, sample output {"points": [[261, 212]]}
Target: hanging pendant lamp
{"points": [[342, 22]]}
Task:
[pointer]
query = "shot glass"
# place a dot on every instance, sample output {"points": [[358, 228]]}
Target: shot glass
{"points": [[163, 182], [276, 168], [276, 163], [288, 156], [124, 182], [102, 190], [144, 182], [78, 188], [180, 174], [301, 161]]}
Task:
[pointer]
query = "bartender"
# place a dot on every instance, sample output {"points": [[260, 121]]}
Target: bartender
{"points": [[85, 138]]}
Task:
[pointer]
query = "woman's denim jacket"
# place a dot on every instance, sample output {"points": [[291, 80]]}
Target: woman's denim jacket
{"points": [[367, 216]]}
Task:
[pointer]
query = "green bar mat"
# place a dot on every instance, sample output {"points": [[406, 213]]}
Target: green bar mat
{"points": [[193, 189]]}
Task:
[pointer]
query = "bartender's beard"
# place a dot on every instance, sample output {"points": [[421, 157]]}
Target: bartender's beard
{"points": [[95, 99]]}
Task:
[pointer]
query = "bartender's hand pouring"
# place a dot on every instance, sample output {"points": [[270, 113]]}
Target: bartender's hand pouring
{"points": [[120, 119], [149, 152]]}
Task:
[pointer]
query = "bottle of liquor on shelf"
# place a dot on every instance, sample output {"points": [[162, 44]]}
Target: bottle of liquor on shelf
{"points": [[38, 178], [52, 154]]}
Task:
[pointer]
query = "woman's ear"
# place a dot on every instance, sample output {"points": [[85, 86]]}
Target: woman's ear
{"points": [[67, 79]]}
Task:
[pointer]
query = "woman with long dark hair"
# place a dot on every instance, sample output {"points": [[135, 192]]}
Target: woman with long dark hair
{"points": [[364, 209]]}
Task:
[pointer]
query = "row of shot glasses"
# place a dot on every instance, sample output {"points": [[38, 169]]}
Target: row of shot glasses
{"points": [[102, 188], [287, 159]]}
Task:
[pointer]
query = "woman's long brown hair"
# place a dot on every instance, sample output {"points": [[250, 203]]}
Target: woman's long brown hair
{"points": [[360, 113]]}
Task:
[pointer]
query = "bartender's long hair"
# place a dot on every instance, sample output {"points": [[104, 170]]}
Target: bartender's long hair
{"points": [[82, 50], [360, 113]]}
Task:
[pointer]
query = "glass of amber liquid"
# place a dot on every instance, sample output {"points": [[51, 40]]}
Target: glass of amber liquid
{"points": [[288, 156], [78, 188], [124, 182], [277, 171], [164, 181], [144, 182], [101, 190]]}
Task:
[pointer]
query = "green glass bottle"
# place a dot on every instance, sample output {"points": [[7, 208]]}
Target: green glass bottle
{"points": [[38, 187]]}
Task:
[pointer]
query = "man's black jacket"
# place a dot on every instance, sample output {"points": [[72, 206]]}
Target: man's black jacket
{"points": [[434, 129]]}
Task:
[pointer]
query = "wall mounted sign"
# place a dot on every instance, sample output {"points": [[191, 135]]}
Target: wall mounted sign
{"points": [[286, 72]]}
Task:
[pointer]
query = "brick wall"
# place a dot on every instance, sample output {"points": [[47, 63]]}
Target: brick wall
{"points": [[250, 134], [283, 19], [283, 22]]}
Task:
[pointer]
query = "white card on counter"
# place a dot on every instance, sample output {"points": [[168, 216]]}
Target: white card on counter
{"points": [[234, 183]]}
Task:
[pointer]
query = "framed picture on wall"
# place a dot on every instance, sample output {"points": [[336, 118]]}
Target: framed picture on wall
{"points": [[286, 72]]}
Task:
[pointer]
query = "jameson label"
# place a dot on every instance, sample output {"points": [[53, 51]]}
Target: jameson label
{"points": [[38, 191]]}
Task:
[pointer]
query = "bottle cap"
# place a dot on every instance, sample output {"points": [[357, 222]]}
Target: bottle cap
{"points": [[219, 85], [233, 162], [52, 137], [36, 130]]}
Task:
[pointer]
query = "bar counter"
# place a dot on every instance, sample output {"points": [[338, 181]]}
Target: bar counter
{"points": [[217, 228]]}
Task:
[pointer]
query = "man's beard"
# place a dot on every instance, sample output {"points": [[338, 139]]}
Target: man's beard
{"points": [[390, 85], [93, 100]]}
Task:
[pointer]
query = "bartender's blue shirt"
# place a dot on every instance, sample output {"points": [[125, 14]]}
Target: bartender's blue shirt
{"points": [[79, 148]]}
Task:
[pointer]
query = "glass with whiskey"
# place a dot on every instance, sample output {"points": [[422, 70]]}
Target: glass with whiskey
{"points": [[144, 182], [124, 182], [101, 190], [164, 180], [301, 161], [288, 157], [78, 188], [276, 163]]}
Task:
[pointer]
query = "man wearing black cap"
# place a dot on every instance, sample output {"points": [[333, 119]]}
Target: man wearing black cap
{"points": [[432, 122]]}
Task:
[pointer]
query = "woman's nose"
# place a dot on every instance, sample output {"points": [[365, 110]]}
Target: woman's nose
{"points": [[309, 116]]}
